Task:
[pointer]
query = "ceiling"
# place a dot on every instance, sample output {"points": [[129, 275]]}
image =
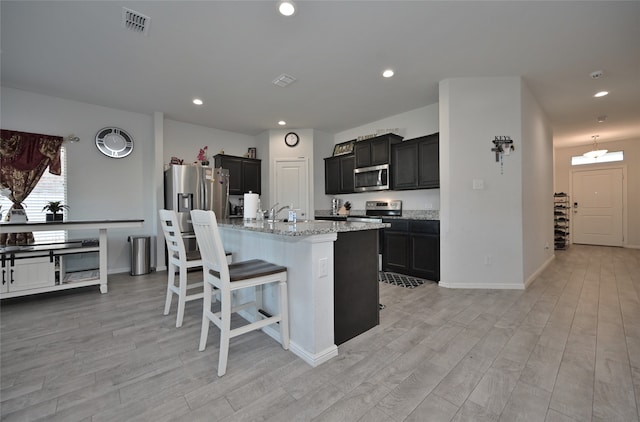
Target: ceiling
{"points": [[228, 53]]}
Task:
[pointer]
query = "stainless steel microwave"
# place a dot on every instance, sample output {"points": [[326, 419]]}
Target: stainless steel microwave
{"points": [[371, 178]]}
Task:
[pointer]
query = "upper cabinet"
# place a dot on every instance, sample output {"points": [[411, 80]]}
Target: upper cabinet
{"points": [[375, 151], [338, 174], [415, 163], [244, 173]]}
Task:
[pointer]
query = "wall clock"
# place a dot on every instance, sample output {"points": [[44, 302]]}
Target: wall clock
{"points": [[291, 139], [114, 142]]}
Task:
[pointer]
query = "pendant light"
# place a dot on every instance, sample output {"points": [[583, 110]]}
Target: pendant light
{"points": [[595, 152]]}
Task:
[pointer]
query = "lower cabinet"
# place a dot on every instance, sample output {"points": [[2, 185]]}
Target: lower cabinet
{"points": [[26, 273], [42, 268], [412, 247], [356, 291]]}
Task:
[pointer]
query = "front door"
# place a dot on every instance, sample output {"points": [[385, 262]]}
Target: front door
{"points": [[597, 201], [291, 186]]}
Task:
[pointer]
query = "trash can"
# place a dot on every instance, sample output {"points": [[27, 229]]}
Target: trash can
{"points": [[140, 254]]}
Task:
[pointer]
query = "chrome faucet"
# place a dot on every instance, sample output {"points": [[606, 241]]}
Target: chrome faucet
{"points": [[273, 214]]}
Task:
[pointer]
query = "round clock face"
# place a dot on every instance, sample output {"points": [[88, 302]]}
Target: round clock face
{"points": [[291, 139], [114, 142]]}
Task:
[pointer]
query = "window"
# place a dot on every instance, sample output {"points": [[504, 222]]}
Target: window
{"points": [[49, 188], [578, 160]]}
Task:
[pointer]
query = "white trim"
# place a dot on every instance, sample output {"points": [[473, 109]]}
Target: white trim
{"points": [[313, 359], [494, 286], [309, 187], [625, 235], [631, 246], [539, 271], [316, 359]]}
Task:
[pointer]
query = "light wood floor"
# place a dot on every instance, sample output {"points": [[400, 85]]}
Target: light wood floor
{"points": [[567, 348]]}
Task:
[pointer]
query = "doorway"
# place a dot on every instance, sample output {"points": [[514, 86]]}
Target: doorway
{"points": [[291, 185], [597, 198]]}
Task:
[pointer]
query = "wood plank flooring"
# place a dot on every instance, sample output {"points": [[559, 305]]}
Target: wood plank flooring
{"points": [[566, 349]]}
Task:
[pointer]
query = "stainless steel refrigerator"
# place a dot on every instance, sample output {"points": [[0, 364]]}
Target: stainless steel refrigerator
{"points": [[191, 187]]}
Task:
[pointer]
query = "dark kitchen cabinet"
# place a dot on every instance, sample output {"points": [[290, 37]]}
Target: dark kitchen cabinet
{"points": [[338, 174], [356, 291], [412, 247], [375, 151], [416, 163], [244, 173]]}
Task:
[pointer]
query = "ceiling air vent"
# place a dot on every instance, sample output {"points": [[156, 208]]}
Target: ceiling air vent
{"points": [[134, 21], [284, 80]]}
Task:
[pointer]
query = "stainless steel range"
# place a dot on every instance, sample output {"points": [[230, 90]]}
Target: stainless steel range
{"points": [[384, 208], [375, 210]]}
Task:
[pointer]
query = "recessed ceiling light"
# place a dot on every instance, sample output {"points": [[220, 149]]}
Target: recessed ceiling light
{"points": [[387, 73], [601, 94], [602, 118], [282, 123], [198, 101], [286, 7]]}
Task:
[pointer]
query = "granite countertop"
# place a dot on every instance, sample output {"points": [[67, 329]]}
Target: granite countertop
{"points": [[300, 228]]}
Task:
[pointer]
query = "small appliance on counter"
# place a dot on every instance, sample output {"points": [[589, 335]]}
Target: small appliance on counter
{"points": [[336, 204]]}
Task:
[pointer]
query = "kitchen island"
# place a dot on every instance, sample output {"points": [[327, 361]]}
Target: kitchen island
{"points": [[307, 250]]}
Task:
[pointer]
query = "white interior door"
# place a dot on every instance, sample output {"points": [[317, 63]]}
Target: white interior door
{"points": [[291, 185], [597, 200]]}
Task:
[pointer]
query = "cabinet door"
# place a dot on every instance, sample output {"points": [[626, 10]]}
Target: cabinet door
{"points": [[332, 177], [380, 151], [429, 163], [5, 276], [396, 252], [404, 162], [234, 165], [251, 176], [347, 164], [425, 256], [32, 273], [362, 151]]}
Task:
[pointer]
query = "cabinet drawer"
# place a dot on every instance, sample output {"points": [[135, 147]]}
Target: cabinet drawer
{"points": [[397, 225], [426, 226]]}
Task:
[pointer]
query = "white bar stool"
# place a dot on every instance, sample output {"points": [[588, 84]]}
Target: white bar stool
{"points": [[230, 277]]}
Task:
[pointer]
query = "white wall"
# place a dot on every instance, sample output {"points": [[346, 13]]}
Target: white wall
{"points": [[412, 124], [631, 150], [481, 229], [98, 187], [105, 188], [537, 187], [184, 140], [279, 150]]}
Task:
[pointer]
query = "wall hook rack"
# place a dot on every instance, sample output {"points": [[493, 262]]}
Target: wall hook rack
{"points": [[503, 145]]}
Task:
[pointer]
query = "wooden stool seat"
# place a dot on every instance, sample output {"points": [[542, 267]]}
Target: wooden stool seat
{"points": [[250, 269]]}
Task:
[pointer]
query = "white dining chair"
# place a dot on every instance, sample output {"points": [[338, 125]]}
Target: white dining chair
{"points": [[228, 278]]}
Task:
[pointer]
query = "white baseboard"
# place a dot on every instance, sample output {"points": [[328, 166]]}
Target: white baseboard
{"points": [[539, 271], [495, 286], [631, 246], [313, 359]]}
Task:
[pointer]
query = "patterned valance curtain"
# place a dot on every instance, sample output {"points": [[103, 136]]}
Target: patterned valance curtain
{"points": [[23, 159]]}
